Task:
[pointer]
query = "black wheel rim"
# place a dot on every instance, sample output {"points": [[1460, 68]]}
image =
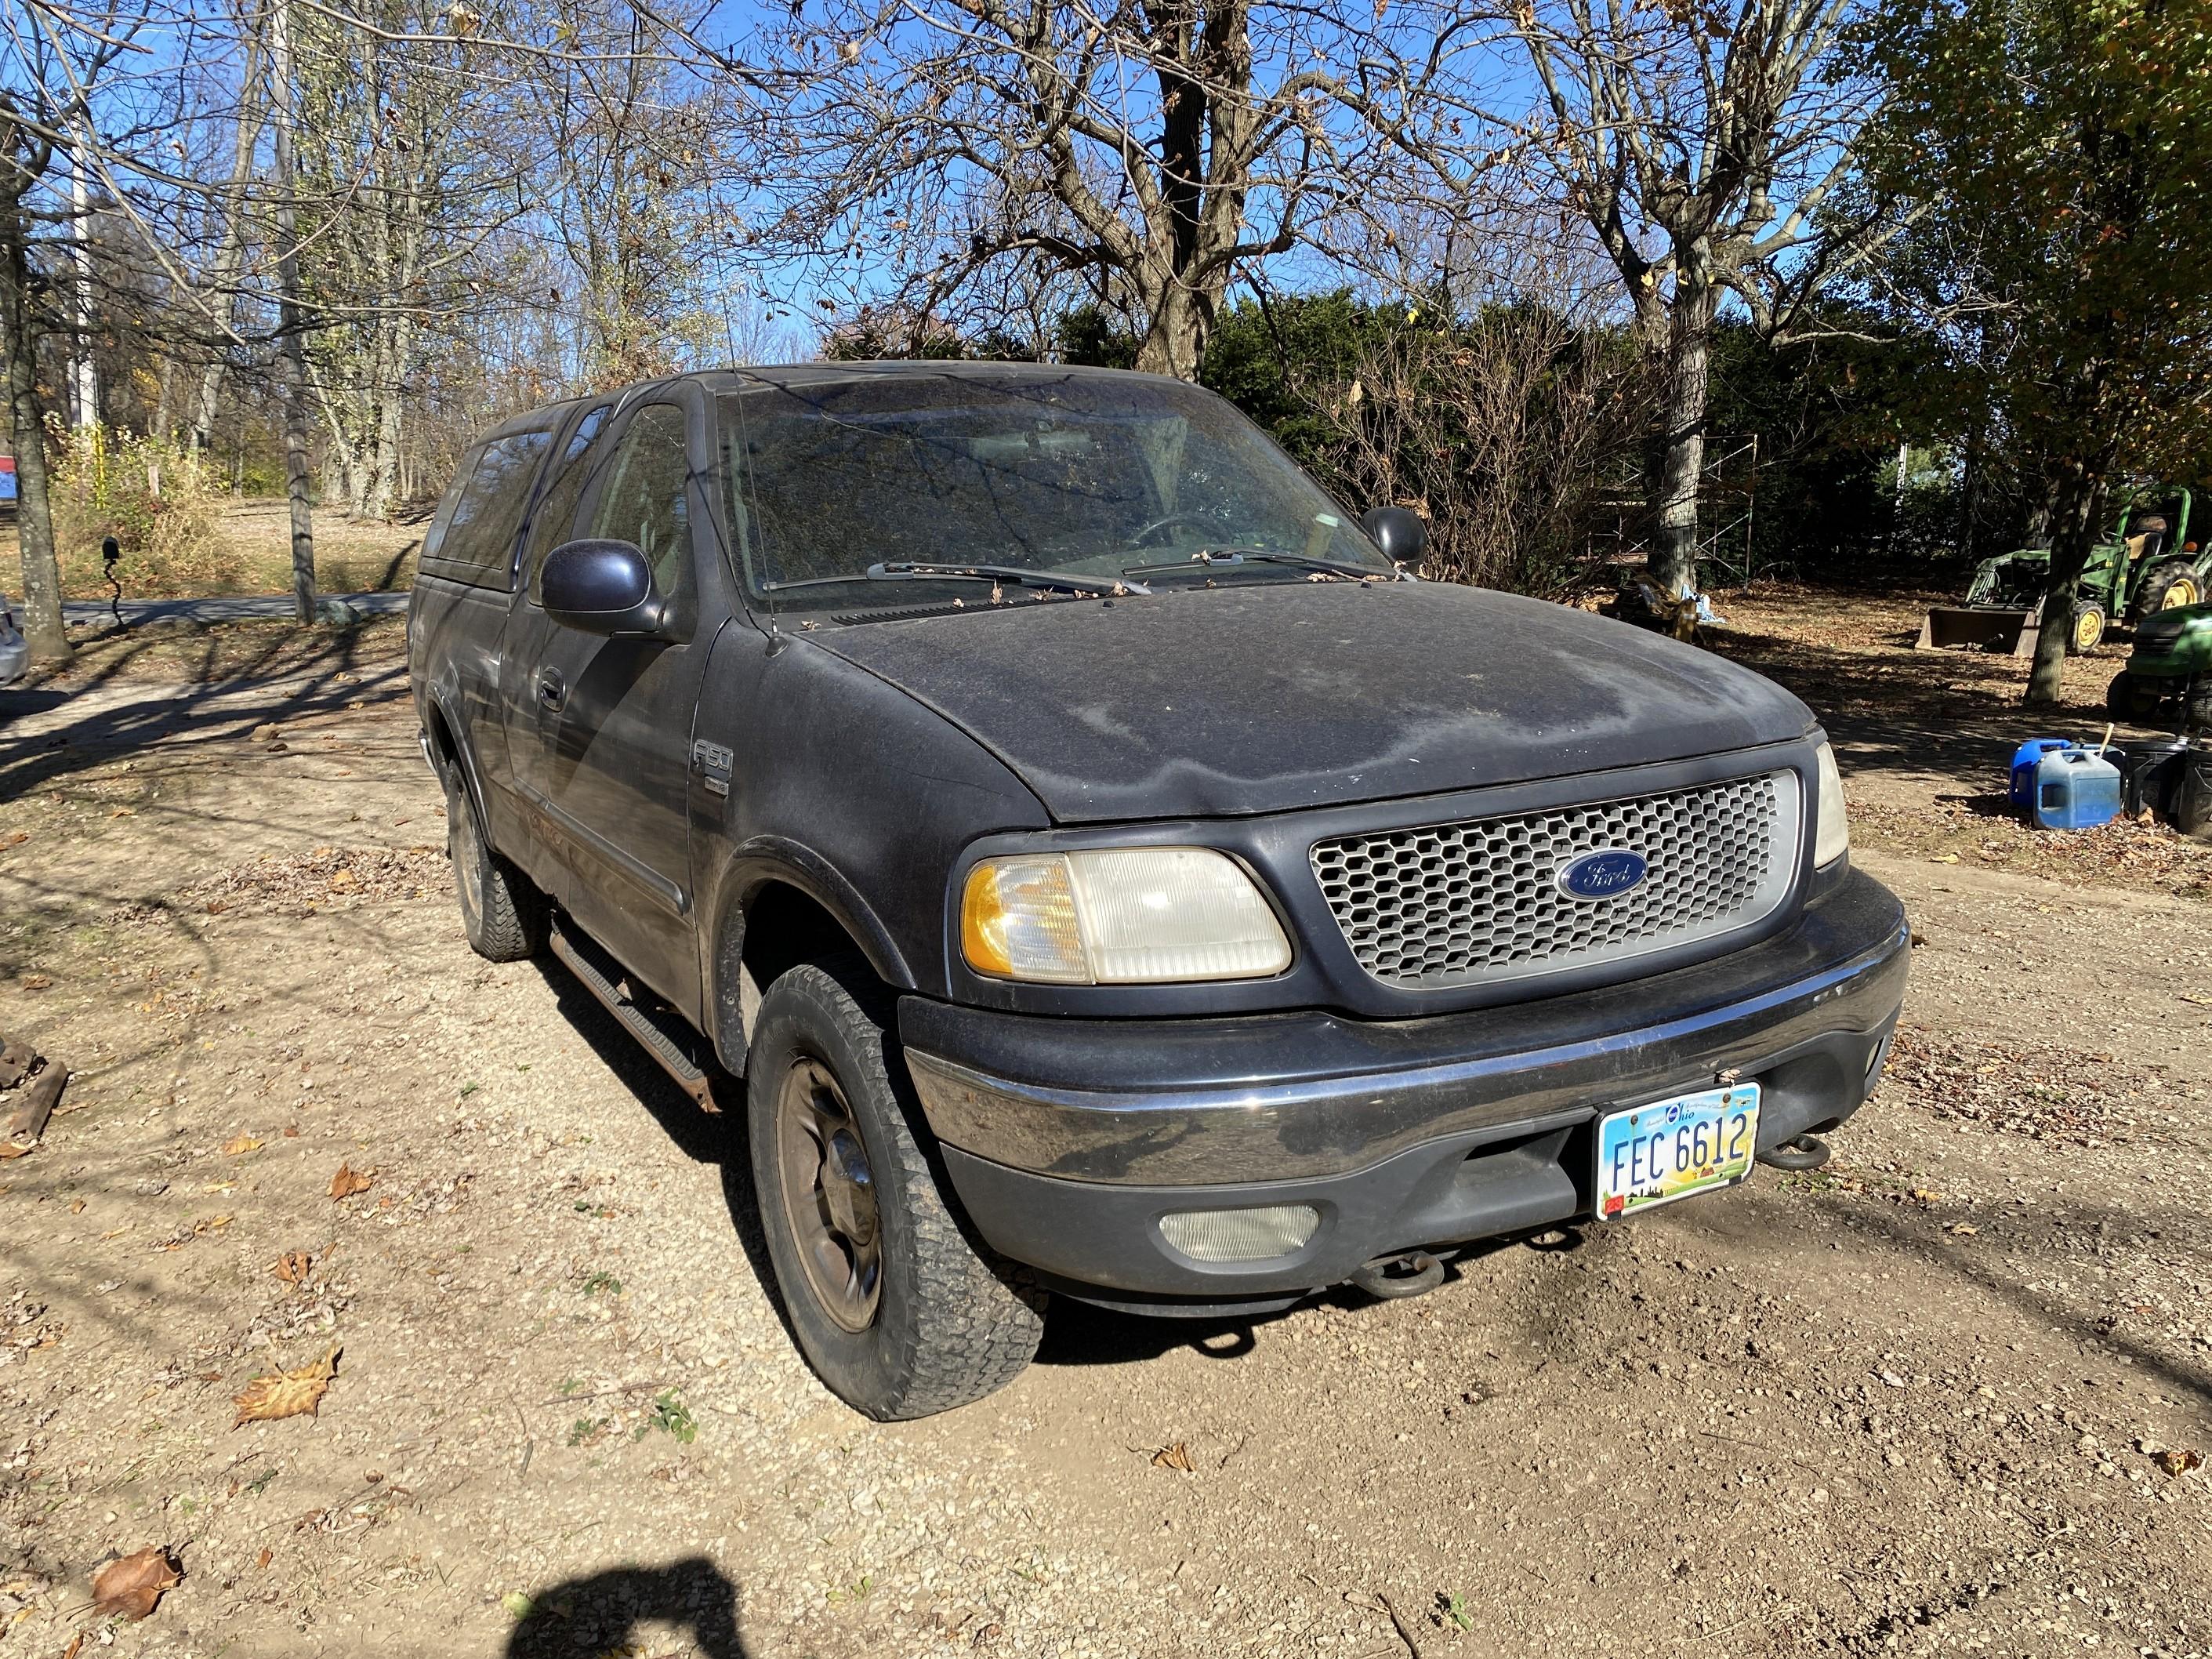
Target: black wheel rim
{"points": [[829, 1195]]}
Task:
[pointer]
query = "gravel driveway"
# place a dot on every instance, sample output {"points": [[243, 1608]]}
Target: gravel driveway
{"points": [[1923, 1401]]}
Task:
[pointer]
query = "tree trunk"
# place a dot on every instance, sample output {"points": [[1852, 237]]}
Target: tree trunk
{"points": [[43, 628], [1182, 321], [291, 322], [83, 376], [2077, 504], [1674, 565]]}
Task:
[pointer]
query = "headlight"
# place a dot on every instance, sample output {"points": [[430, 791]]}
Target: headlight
{"points": [[1834, 837], [1135, 916]]}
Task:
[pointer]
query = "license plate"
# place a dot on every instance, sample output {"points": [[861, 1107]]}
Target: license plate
{"points": [[1652, 1155]]}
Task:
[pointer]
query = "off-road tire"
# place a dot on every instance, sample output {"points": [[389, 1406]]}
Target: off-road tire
{"points": [[2159, 581], [951, 1321], [2085, 628], [502, 913]]}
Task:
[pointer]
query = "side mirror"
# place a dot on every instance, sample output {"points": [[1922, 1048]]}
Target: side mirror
{"points": [[1398, 534], [602, 587]]}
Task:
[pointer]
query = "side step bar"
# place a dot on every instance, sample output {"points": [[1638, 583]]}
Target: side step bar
{"points": [[637, 1020]]}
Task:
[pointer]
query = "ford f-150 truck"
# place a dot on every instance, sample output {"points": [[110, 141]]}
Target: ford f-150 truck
{"points": [[1110, 874]]}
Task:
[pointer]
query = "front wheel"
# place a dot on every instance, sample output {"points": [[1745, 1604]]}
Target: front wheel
{"points": [[898, 1313]]}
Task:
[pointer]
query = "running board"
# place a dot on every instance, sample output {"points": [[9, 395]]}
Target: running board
{"points": [[641, 1024]]}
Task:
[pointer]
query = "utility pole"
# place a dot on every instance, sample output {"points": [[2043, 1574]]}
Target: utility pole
{"points": [[291, 317]]}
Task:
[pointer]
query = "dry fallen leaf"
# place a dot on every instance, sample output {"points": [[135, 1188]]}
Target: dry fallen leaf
{"points": [[2179, 1462], [287, 1394], [131, 1584], [75, 1646], [239, 1146], [349, 1181], [35, 981], [76, 1206], [265, 1557], [1176, 1456], [292, 1266]]}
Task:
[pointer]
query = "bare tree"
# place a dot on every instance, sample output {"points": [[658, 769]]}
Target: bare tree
{"points": [[1144, 153], [53, 62], [1702, 144]]}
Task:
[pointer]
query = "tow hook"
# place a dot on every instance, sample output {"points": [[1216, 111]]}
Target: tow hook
{"points": [[1805, 1153], [1393, 1278]]}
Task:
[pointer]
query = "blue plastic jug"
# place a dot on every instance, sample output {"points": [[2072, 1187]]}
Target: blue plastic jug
{"points": [[2024, 760], [2076, 789]]}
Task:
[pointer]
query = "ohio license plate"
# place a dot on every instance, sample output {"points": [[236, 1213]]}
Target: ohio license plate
{"points": [[1652, 1155]]}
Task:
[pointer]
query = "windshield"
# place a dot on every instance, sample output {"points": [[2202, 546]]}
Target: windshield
{"points": [[1091, 476]]}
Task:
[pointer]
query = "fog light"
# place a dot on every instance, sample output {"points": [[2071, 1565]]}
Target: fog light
{"points": [[1240, 1235]]}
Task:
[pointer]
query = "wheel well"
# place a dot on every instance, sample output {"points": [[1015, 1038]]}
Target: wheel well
{"points": [[441, 737], [773, 931]]}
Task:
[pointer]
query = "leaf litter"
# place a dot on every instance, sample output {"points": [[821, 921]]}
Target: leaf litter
{"points": [[287, 1394], [131, 1586]]}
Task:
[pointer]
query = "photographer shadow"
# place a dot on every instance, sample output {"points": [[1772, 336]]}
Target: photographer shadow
{"points": [[601, 1612]]}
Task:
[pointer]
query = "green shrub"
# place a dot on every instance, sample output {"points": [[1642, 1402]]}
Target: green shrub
{"points": [[161, 503]]}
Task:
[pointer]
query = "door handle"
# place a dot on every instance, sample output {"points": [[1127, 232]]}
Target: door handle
{"points": [[552, 689]]}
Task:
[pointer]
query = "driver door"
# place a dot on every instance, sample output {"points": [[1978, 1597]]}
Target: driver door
{"points": [[613, 717]]}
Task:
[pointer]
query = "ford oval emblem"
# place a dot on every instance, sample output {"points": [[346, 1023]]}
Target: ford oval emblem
{"points": [[1607, 873]]}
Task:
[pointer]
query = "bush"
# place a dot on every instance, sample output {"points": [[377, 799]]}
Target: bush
{"points": [[160, 501]]}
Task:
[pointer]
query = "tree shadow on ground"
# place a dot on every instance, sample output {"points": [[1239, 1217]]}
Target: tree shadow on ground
{"points": [[1956, 714], [230, 682], [601, 1612]]}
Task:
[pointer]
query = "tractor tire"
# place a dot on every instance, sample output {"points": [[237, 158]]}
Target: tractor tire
{"points": [[2197, 707], [2167, 585], [2130, 701], [2085, 630]]}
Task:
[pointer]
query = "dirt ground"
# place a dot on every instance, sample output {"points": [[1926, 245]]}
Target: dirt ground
{"points": [[1924, 1401]]}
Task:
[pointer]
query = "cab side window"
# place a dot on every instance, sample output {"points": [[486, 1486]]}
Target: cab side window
{"points": [[647, 498], [475, 544], [555, 520]]}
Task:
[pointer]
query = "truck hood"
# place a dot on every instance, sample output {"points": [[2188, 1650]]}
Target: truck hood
{"points": [[1201, 703]]}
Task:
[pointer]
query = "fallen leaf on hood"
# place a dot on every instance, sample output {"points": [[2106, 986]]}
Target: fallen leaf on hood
{"points": [[292, 1266], [131, 1584], [239, 1146], [287, 1394], [349, 1181], [1176, 1456]]}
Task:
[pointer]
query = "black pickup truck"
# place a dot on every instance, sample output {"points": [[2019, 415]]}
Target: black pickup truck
{"points": [[1110, 874]]}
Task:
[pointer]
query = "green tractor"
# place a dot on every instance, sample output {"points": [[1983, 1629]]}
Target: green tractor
{"points": [[2168, 678], [2153, 560]]}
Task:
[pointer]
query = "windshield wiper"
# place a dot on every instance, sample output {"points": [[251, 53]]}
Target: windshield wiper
{"points": [[1020, 575], [1207, 557]]}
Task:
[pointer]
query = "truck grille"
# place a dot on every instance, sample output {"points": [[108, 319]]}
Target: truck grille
{"points": [[1477, 903]]}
